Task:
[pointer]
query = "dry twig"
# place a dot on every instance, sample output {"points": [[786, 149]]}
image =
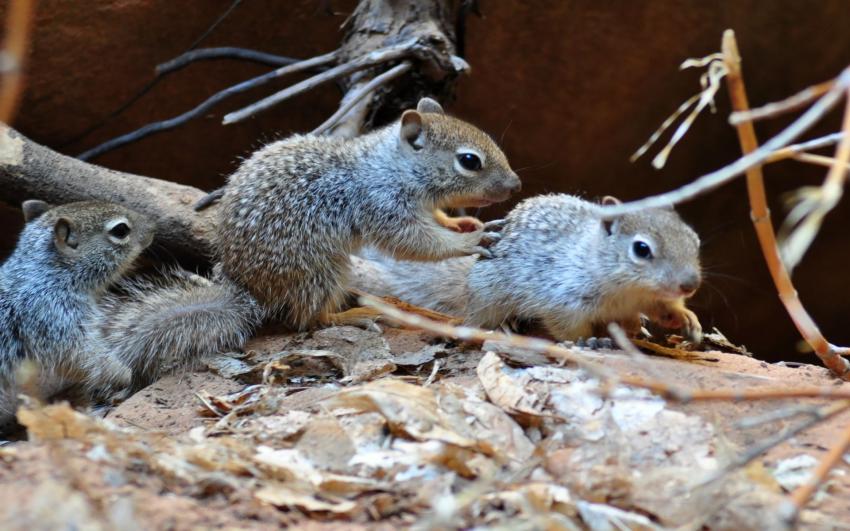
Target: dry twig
{"points": [[559, 353], [716, 178], [760, 214], [800, 497]]}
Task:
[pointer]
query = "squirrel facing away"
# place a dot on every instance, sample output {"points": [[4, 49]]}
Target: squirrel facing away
{"points": [[295, 210], [50, 287], [561, 264]]}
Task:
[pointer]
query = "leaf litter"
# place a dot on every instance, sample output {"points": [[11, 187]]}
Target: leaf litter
{"points": [[339, 427]]}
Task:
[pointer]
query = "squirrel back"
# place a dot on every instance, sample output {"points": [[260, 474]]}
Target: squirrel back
{"points": [[65, 260], [560, 263], [295, 210]]}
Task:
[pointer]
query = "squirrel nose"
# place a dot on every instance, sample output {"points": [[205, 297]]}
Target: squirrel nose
{"points": [[690, 284], [515, 185]]}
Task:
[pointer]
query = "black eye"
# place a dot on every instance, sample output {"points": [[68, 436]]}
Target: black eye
{"points": [[642, 250], [120, 231], [469, 161]]}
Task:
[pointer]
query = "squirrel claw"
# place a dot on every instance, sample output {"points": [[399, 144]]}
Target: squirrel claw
{"points": [[489, 238], [482, 252], [496, 224]]}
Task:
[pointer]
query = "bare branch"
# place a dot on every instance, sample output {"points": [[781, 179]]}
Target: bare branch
{"points": [[223, 52], [201, 109], [371, 59], [727, 173], [797, 101], [353, 97]]}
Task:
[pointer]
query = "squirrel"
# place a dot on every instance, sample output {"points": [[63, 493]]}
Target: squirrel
{"points": [[50, 286], [559, 263], [295, 210]]}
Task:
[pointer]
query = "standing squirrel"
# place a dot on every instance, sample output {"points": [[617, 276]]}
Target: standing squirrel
{"points": [[561, 264], [50, 288], [295, 210]]}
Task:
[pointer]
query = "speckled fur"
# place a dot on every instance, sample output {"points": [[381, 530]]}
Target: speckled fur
{"points": [[158, 325], [47, 295], [295, 210], [557, 263]]}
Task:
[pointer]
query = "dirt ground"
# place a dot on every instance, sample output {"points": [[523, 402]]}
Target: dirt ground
{"points": [[389, 428]]}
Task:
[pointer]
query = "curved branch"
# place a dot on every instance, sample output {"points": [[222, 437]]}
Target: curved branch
{"points": [[371, 59], [171, 123], [222, 52], [352, 98]]}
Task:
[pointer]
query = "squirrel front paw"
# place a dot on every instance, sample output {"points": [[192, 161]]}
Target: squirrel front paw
{"points": [[677, 316], [488, 239]]}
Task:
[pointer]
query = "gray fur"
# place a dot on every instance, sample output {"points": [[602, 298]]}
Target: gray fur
{"points": [[156, 326], [293, 213], [48, 291], [558, 263]]}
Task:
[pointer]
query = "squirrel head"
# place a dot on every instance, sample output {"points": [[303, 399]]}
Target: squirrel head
{"points": [[97, 241], [656, 250], [463, 165]]}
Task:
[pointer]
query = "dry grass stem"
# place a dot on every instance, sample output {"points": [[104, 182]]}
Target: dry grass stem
{"points": [[792, 103]]}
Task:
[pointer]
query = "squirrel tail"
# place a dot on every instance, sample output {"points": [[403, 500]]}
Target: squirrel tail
{"points": [[157, 326], [439, 286]]}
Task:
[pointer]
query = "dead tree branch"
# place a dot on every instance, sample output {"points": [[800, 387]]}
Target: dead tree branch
{"points": [[29, 170], [222, 52]]}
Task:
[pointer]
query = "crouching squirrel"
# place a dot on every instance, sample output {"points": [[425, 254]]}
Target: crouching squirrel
{"points": [[295, 210], [560, 263]]}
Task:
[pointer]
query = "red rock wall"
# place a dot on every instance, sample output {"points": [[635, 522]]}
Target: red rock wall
{"points": [[571, 87]]}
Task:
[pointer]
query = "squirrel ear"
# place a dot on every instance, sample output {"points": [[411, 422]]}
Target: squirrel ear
{"points": [[412, 130], [65, 234], [33, 208], [429, 105], [611, 200]]}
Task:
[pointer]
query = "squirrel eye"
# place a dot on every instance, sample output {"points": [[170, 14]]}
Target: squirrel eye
{"points": [[642, 250], [469, 161], [120, 230]]}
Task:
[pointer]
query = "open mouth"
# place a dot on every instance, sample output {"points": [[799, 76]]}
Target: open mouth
{"points": [[465, 223]]}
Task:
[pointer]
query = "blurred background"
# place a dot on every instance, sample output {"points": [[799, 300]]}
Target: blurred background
{"points": [[570, 88]]}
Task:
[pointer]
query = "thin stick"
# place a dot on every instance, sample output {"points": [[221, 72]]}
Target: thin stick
{"points": [[804, 221], [561, 354], [797, 101], [371, 59], [801, 496], [716, 178], [818, 160], [794, 149], [753, 452], [366, 90], [13, 57], [760, 214], [222, 52], [171, 123]]}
